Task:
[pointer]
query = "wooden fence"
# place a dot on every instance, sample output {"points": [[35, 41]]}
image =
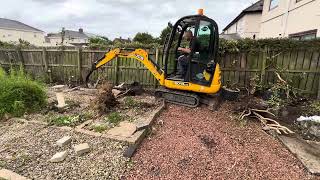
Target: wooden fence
{"points": [[302, 66]]}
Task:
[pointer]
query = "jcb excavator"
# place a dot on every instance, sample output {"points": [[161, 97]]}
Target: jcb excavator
{"points": [[203, 71]]}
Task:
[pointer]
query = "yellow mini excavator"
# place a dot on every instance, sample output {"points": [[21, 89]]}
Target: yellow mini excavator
{"points": [[203, 71]]}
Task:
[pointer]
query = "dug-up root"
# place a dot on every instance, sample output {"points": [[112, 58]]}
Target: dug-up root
{"points": [[269, 124]]}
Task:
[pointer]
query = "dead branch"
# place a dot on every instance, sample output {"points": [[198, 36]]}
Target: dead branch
{"points": [[269, 124], [264, 111], [280, 78]]}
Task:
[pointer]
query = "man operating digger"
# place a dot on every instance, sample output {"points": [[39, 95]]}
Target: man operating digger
{"points": [[183, 59]]}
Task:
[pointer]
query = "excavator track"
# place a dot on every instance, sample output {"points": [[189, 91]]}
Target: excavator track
{"points": [[178, 97]]}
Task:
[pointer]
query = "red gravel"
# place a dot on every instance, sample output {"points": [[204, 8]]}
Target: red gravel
{"points": [[198, 143]]}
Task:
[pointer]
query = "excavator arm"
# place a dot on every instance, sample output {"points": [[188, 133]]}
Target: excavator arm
{"points": [[138, 54]]}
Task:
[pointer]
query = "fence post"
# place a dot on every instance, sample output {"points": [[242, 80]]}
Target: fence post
{"points": [[157, 61], [79, 60], [20, 57], [263, 65], [116, 70], [319, 89], [45, 60]]}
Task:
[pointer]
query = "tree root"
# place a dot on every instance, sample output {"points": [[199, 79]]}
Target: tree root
{"points": [[269, 124]]}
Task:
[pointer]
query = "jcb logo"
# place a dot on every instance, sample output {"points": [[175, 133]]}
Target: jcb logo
{"points": [[182, 83], [139, 57]]}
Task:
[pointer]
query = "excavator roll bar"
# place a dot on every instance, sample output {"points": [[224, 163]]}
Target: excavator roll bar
{"points": [[138, 54]]}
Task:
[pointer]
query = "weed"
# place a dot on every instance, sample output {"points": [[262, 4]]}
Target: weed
{"points": [[2, 164], [314, 108], [66, 120], [130, 102], [99, 128], [114, 118], [19, 93]]}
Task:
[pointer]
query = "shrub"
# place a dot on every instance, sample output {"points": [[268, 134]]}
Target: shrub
{"points": [[19, 93]]}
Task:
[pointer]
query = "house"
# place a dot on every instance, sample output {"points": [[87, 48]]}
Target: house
{"points": [[122, 41], [69, 38], [298, 19], [12, 31], [246, 24]]}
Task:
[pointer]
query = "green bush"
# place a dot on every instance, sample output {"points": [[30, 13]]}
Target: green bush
{"points": [[19, 93]]}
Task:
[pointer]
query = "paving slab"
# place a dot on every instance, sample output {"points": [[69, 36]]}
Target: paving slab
{"points": [[125, 129], [307, 152], [64, 141], [59, 157], [136, 138], [10, 175], [81, 148], [147, 121], [61, 100]]}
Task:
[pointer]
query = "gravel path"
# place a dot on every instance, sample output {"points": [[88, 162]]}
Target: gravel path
{"points": [[26, 149], [200, 144]]}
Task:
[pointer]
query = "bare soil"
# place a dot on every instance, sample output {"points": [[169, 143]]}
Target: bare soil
{"points": [[201, 144]]}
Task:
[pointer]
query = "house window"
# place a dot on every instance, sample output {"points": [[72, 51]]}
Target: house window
{"points": [[35, 35], [273, 4], [306, 35]]}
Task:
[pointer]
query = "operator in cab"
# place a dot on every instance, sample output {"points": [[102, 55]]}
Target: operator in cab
{"points": [[183, 59]]}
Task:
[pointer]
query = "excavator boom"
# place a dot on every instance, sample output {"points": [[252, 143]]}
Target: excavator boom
{"points": [[138, 54]]}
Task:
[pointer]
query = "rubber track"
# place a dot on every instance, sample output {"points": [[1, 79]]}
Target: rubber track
{"points": [[179, 97]]}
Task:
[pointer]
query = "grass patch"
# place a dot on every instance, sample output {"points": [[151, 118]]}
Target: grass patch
{"points": [[20, 94], [314, 108], [99, 128], [114, 118], [66, 120], [130, 102]]}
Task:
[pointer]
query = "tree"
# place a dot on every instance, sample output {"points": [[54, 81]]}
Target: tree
{"points": [[100, 40], [144, 38], [164, 33]]}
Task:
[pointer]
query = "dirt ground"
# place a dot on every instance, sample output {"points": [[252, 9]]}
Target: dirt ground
{"points": [[201, 144]]}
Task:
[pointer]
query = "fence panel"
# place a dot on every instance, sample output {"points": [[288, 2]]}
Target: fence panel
{"points": [[302, 66]]}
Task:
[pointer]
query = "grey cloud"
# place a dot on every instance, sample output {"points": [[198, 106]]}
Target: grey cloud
{"points": [[115, 18]]}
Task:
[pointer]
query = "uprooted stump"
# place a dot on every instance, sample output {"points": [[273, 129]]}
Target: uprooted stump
{"points": [[105, 100]]}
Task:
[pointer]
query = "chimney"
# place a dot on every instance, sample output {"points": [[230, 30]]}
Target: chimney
{"points": [[80, 30]]}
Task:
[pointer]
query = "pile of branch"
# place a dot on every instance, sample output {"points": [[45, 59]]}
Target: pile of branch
{"points": [[269, 124]]}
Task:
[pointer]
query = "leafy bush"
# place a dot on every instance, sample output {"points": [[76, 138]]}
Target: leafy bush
{"points": [[19, 93]]}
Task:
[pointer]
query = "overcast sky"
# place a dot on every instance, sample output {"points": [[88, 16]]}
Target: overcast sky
{"points": [[114, 18]]}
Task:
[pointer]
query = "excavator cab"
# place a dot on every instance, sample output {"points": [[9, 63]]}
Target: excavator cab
{"points": [[202, 71], [202, 60]]}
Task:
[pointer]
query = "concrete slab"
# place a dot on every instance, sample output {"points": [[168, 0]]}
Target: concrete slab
{"points": [[59, 157], [10, 175], [148, 121], [125, 129], [307, 152], [61, 100], [81, 148], [136, 138], [64, 141]]}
